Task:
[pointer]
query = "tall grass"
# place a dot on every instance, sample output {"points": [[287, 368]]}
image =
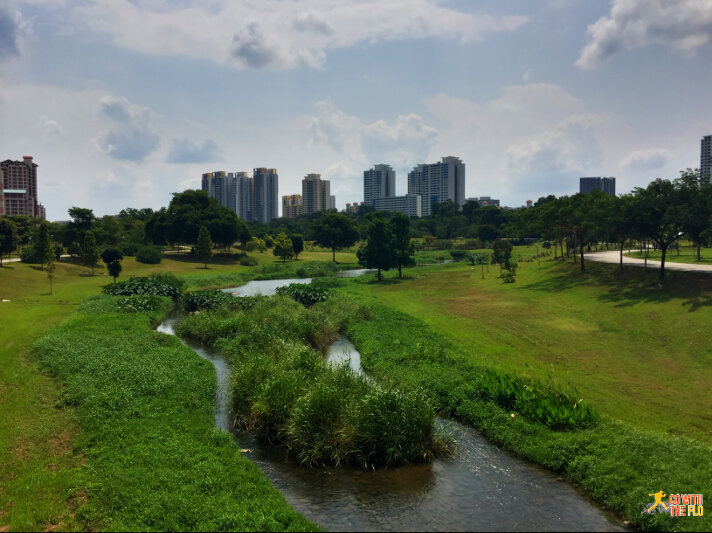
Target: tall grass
{"points": [[284, 391]]}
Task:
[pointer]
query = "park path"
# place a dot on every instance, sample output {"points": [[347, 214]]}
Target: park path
{"points": [[613, 256]]}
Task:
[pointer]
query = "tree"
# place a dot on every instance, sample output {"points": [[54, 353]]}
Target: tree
{"points": [[696, 196], [377, 251], [502, 253], [44, 249], [50, 267], [297, 245], [283, 247], [335, 230], [204, 246], [657, 213], [114, 268], [82, 220], [8, 237], [403, 250], [488, 233], [269, 241], [90, 251]]}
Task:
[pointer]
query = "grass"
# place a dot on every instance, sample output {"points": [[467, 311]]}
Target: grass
{"points": [[637, 352], [41, 481], [285, 392], [617, 463], [687, 255]]}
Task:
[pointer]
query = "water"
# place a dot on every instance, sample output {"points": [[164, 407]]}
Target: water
{"points": [[480, 488]]}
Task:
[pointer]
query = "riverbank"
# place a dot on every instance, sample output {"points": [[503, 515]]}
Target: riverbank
{"points": [[144, 406]]}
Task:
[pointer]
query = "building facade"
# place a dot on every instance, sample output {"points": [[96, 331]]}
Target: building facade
{"points": [[607, 185], [292, 206], [266, 190], [19, 188], [316, 194], [706, 158], [378, 182], [410, 204], [438, 182], [485, 200]]}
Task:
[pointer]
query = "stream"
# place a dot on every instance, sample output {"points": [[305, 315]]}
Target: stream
{"points": [[481, 488]]}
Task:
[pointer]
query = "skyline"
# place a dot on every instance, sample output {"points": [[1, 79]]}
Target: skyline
{"points": [[121, 103]]}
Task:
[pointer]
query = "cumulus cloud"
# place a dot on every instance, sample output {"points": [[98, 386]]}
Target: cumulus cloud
{"points": [[8, 35], [683, 25], [277, 34], [186, 151], [650, 159], [130, 137]]}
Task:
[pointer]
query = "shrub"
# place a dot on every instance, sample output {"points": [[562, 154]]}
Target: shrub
{"points": [[157, 284], [215, 298], [507, 276], [458, 255], [470, 244], [306, 295], [28, 254], [248, 261], [149, 255], [129, 249], [140, 303]]}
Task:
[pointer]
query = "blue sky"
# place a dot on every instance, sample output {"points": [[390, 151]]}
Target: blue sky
{"points": [[122, 102]]}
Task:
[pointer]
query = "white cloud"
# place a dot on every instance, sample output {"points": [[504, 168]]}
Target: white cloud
{"points": [[186, 151], [650, 159], [683, 25], [130, 137], [281, 35]]}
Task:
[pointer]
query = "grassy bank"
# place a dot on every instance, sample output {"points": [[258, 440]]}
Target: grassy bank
{"points": [[284, 391], [687, 255], [40, 467], [636, 351], [619, 465], [144, 406]]}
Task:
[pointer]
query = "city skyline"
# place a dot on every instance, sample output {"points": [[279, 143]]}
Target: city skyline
{"points": [[532, 96]]}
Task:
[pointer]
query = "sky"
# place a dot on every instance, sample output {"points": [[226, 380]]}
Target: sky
{"points": [[123, 102]]}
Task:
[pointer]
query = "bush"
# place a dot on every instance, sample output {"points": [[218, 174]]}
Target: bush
{"points": [[306, 295], [157, 284], [29, 255], [508, 276], [470, 244], [248, 261], [458, 255], [140, 303], [129, 249], [149, 255], [215, 298]]}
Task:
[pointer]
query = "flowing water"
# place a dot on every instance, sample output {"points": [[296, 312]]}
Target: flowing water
{"points": [[480, 488]]}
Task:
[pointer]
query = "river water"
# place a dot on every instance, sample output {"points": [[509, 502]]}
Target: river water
{"points": [[481, 488]]}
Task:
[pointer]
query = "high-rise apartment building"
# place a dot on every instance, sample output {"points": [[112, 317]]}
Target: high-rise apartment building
{"points": [[706, 158], [607, 185], [266, 189], [410, 204], [378, 182], [292, 206], [19, 188], [316, 194], [438, 182]]}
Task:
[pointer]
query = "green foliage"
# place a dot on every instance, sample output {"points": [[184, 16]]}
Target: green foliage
{"points": [[8, 236], [508, 276], [306, 295], [377, 252], [204, 246], [28, 254], [58, 250], [335, 231], [156, 284], [283, 247], [154, 460], [502, 252], [284, 391], [149, 255], [114, 269], [130, 249], [90, 251], [214, 299], [297, 245], [458, 255], [111, 254], [255, 244], [268, 240]]}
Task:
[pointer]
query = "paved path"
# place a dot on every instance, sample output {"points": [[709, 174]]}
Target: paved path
{"points": [[613, 256]]}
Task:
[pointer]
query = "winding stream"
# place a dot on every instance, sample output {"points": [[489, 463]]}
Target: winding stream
{"points": [[480, 488]]}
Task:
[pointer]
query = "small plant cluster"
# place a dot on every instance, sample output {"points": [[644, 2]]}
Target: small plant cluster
{"points": [[156, 284], [508, 276], [285, 392], [214, 299], [306, 295], [545, 403], [139, 303], [149, 255]]}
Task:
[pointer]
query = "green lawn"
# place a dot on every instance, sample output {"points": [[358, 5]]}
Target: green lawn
{"points": [[687, 255], [40, 469], [638, 352]]}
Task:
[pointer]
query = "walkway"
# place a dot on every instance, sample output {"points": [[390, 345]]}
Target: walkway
{"points": [[613, 256]]}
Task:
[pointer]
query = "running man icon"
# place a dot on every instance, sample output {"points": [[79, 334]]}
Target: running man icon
{"points": [[658, 501]]}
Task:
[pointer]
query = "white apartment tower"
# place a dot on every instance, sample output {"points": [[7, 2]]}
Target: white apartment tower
{"points": [[438, 182], [378, 182], [265, 196], [316, 194]]}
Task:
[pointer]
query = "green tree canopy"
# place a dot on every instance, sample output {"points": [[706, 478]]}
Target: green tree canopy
{"points": [[377, 251], [297, 245], [283, 247], [403, 250], [90, 251], [204, 246], [335, 231], [8, 237]]}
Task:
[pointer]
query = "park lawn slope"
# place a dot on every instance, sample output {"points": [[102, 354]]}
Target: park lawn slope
{"points": [[618, 464], [144, 403]]}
